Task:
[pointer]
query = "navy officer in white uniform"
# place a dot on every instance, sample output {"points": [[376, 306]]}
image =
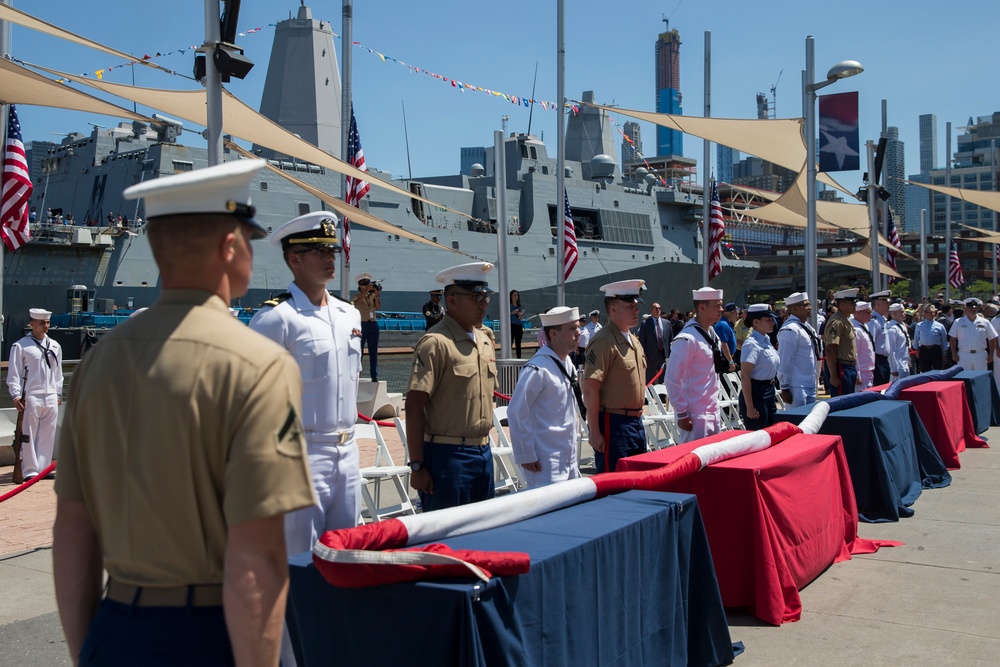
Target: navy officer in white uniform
{"points": [[972, 338], [691, 379], [323, 333], [877, 326], [542, 411], [799, 349], [899, 343], [35, 381]]}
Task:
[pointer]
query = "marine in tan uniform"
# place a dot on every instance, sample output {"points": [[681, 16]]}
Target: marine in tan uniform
{"points": [[614, 379], [840, 372], [180, 452], [449, 403], [368, 301]]}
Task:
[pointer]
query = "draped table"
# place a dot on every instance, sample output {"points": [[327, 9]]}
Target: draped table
{"points": [[981, 391], [889, 452], [944, 410], [775, 519], [625, 579]]}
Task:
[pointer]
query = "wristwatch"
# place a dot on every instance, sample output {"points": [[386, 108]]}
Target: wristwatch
{"points": [[416, 466]]}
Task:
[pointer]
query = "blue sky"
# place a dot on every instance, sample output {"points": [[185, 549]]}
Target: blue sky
{"points": [[918, 55]]}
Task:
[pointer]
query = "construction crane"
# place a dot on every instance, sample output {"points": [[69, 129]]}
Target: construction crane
{"points": [[774, 95]]}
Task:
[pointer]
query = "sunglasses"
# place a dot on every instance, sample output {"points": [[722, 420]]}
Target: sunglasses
{"points": [[478, 298], [328, 251]]}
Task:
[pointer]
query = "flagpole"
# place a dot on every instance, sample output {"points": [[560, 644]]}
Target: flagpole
{"points": [[705, 203], [947, 212], [993, 179], [872, 218], [500, 171], [213, 82], [560, 152], [926, 289], [4, 109], [345, 126]]}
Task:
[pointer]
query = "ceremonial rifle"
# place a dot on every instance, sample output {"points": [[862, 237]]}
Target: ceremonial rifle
{"points": [[19, 437]]}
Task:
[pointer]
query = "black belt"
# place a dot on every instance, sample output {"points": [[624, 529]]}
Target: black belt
{"points": [[761, 382], [930, 347]]}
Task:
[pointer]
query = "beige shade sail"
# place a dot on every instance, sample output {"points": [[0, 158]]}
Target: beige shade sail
{"points": [[19, 85], [356, 215], [8, 13], [862, 260], [239, 120], [987, 235], [778, 141], [766, 195], [985, 198]]}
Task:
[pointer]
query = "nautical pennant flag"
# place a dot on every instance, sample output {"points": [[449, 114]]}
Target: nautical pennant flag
{"points": [[16, 187], [890, 254], [955, 277], [716, 232], [570, 252], [356, 188]]}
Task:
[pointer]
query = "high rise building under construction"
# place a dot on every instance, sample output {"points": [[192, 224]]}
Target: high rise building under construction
{"points": [[668, 90]]}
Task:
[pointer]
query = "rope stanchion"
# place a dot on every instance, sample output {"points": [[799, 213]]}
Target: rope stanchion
{"points": [[656, 377], [497, 394], [37, 478], [366, 418]]}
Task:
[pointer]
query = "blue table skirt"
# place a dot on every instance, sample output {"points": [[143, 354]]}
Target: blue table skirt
{"points": [[889, 453], [624, 580], [984, 400]]}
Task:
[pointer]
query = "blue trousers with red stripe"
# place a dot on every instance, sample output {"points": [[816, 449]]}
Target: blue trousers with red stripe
{"points": [[623, 436], [848, 374]]}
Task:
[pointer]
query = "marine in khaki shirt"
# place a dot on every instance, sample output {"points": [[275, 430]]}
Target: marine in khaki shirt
{"points": [[840, 370], [449, 402]]}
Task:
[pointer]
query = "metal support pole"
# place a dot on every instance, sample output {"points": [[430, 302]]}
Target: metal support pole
{"points": [[925, 289], [947, 212], [706, 164], [809, 252], [872, 218], [560, 153], [213, 82], [500, 170], [993, 180], [4, 49], [346, 104]]}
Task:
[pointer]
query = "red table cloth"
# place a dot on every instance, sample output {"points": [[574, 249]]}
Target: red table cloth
{"points": [[944, 409], [775, 519]]}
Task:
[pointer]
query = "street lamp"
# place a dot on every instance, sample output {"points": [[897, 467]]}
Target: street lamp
{"points": [[841, 70]]}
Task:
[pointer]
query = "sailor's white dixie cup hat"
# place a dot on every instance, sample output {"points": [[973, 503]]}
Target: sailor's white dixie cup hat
{"points": [[39, 314], [846, 294], [312, 230], [471, 276], [625, 290], [796, 297], [862, 306], [223, 188], [896, 308], [706, 294], [560, 315]]}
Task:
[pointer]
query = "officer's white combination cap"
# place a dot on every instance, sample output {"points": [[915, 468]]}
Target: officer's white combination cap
{"points": [[846, 294], [363, 276], [223, 188], [895, 308], [626, 290], [595, 313], [560, 315], [706, 294], [973, 301], [796, 297], [471, 276], [884, 294], [862, 306], [39, 313], [312, 230]]}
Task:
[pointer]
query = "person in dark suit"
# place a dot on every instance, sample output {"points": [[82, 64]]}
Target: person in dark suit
{"points": [[655, 334]]}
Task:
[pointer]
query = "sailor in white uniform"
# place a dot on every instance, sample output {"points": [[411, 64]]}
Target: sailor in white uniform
{"points": [[323, 333], [899, 343], [799, 349], [865, 342], [691, 378], [972, 338], [594, 325], [35, 381], [542, 411]]}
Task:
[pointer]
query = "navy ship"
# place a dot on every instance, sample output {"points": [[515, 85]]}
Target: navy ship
{"points": [[628, 226]]}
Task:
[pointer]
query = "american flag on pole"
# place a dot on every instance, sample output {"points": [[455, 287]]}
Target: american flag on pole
{"points": [[890, 254], [16, 187], [955, 277], [356, 188], [716, 232], [570, 253]]}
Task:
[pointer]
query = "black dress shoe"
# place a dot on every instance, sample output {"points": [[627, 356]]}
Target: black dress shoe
{"points": [[51, 475], [28, 478]]}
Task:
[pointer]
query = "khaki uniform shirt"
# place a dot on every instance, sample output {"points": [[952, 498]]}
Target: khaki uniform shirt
{"points": [[182, 423], [367, 304], [619, 364], [459, 375], [839, 331]]}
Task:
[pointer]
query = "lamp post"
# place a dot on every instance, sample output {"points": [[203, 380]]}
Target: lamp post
{"points": [[841, 70]]}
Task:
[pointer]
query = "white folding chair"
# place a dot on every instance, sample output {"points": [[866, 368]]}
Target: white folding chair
{"points": [[505, 477], [729, 401], [657, 422], [383, 470]]}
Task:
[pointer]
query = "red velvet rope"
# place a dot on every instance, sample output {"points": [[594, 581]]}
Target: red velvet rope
{"points": [[39, 477], [366, 418]]}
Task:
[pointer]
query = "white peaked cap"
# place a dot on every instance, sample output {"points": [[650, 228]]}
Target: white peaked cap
{"points": [[471, 276], [846, 294]]}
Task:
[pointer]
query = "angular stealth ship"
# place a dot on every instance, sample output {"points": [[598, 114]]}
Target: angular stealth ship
{"points": [[626, 227]]}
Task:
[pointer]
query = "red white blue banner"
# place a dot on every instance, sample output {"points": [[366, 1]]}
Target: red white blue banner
{"points": [[839, 144]]}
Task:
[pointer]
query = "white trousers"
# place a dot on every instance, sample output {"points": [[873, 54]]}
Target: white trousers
{"points": [[702, 426], [41, 414], [802, 395], [972, 361], [552, 471], [336, 477]]}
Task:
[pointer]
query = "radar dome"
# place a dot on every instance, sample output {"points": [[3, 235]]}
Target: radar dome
{"points": [[477, 170], [640, 173], [602, 166]]}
